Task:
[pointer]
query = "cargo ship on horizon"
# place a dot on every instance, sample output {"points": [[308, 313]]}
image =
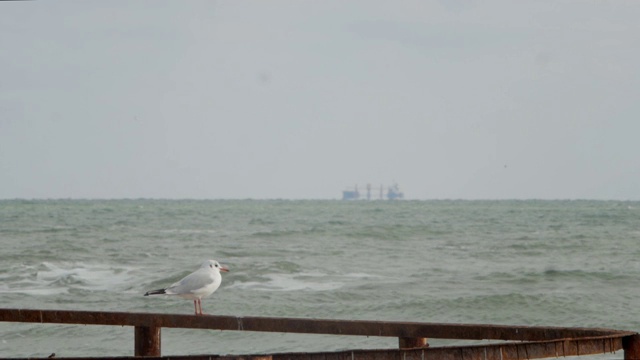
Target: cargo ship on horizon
{"points": [[393, 193]]}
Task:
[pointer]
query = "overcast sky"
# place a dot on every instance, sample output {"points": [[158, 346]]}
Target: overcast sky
{"points": [[301, 99]]}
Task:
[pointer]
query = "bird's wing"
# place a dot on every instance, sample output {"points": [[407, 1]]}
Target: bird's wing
{"points": [[191, 282]]}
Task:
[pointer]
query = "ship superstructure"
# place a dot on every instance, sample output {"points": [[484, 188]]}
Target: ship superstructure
{"points": [[392, 193]]}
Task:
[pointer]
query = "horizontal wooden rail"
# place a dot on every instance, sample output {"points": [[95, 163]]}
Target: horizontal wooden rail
{"points": [[305, 326], [535, 341]]}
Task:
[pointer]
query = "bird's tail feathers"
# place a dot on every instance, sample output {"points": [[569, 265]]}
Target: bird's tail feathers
{"points": [[155, 292]]}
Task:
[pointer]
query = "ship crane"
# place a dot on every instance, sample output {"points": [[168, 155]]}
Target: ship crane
{"points": [[393, 192]]}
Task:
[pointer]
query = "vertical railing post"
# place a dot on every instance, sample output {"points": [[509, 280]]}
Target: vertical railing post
{"points": [[410, 343], [631, 346], [147, 341]]}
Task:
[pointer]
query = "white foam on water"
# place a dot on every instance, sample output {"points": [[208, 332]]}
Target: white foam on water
{"points": [[309, 281], [35, 291], [57, 278]]}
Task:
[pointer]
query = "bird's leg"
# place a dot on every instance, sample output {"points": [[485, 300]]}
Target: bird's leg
{"points": [[195, 305], [200, 305]]}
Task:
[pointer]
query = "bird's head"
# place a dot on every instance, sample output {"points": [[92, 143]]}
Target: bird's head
{"points": [[214, 265]]}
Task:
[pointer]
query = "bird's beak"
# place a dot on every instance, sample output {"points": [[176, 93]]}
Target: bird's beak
{"points": [[224, 268]]}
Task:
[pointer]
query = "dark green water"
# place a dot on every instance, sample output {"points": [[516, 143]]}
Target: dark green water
{"points": [[561, 263]]}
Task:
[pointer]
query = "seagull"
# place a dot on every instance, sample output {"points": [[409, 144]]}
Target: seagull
{"points": [[200, 283]]}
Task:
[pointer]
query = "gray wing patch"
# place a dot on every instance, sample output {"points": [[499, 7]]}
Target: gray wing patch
{"points": [[190, 283]]}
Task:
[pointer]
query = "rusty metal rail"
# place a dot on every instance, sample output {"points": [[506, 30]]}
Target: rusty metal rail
{"points": [[530, 341]]}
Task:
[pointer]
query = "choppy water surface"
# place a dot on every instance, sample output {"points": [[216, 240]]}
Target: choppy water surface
{"points": [[560, 263]]}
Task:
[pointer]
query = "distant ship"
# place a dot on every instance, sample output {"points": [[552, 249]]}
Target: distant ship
{"points": [[393, 193]]}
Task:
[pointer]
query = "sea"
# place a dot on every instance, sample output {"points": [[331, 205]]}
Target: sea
{"points": [[525, 262]]}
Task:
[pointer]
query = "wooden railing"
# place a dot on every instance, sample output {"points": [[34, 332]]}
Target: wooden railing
{"points": [[523, 342]]}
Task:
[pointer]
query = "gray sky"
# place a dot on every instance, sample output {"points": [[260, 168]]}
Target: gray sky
{"points": [[300, 99]]}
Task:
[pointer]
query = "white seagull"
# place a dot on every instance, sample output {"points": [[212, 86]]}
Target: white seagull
{"points": [[200, 283]]}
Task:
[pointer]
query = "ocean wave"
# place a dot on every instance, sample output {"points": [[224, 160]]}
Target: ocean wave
{"points": [[291, 282], [306, 281], [50, 278]]}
